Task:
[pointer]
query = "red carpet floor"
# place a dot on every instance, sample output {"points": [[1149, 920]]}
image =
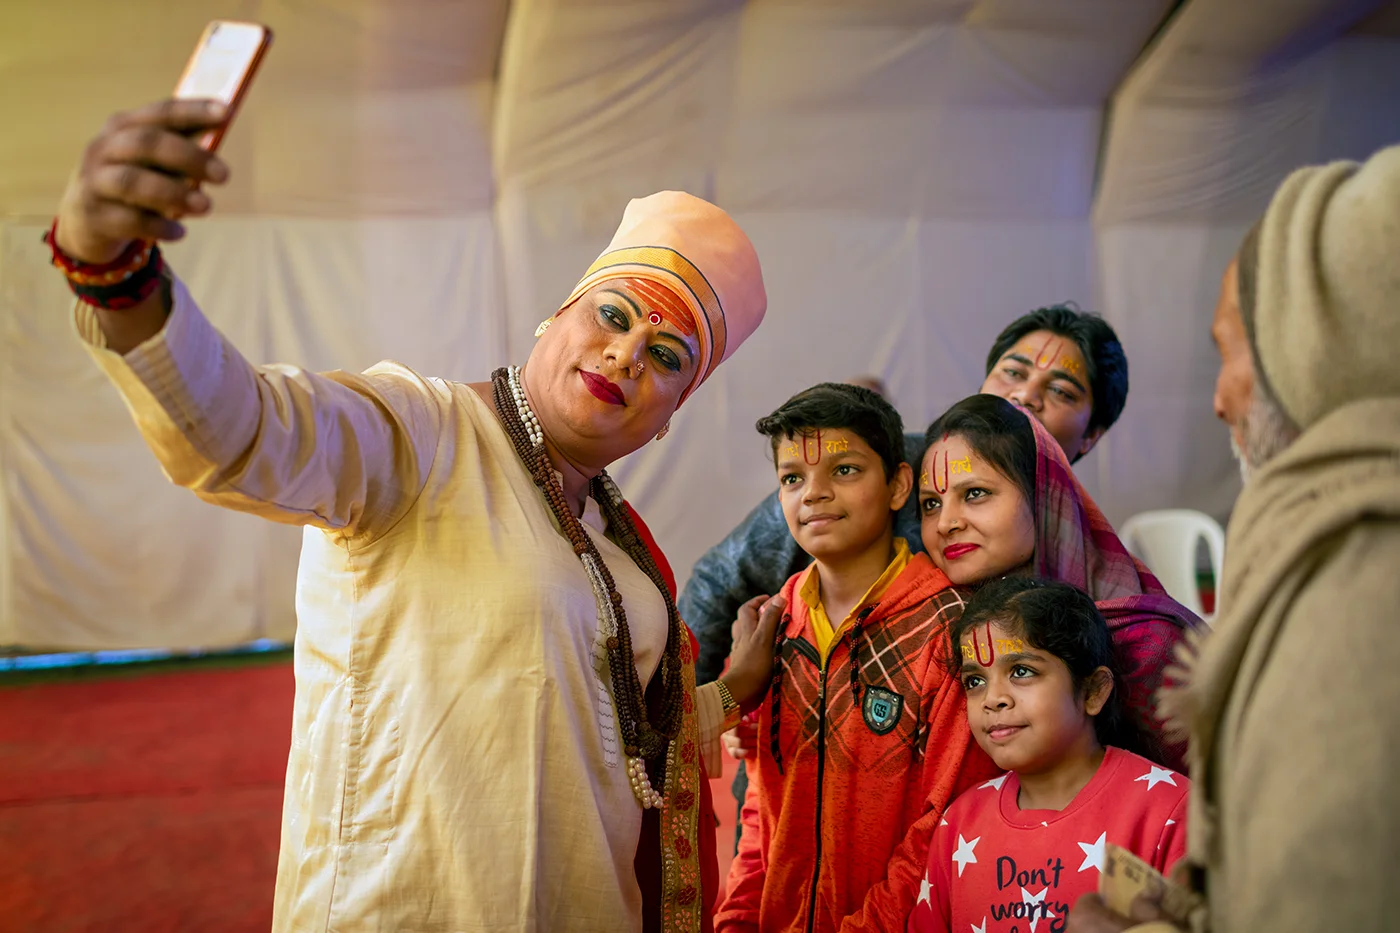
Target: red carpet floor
{"points": [[143, 803], [152, 803]]}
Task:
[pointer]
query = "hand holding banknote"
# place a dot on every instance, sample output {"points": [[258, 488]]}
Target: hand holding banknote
{"points": [[1134, 895]]}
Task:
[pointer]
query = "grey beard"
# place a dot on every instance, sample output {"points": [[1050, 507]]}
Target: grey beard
{"points": [[1267, 431], [1240, 459]]}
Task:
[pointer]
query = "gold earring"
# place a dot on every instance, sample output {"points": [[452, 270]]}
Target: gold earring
{"points": [[665, 429], [544, 326]]}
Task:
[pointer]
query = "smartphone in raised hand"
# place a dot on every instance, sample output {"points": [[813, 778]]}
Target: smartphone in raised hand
{"points": [[222, 68]]}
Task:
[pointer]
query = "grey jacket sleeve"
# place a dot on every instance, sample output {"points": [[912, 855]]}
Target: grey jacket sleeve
{"points": [[756, 559]]}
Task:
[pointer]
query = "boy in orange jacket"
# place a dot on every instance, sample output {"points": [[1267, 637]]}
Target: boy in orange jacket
{"points": [[864, 739]]}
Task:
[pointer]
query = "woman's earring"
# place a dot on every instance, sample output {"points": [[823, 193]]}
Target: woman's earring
{"points": [[544, 326], [665, 429]]}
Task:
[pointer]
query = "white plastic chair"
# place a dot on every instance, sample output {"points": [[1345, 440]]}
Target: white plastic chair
{"points": [[1165, 541]]}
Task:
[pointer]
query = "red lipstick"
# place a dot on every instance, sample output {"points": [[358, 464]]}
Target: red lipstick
{"points": [[602, 389], [954, 551]]}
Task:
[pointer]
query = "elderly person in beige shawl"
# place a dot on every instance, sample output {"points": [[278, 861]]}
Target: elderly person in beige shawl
{"points": [[1294, 701], [496, 723]]}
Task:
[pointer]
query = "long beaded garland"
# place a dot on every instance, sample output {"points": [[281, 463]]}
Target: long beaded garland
{"points": [[642, 741]]}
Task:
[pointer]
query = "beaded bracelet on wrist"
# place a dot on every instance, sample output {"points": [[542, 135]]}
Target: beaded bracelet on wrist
{"points": [[123, 283], [731, 709]]}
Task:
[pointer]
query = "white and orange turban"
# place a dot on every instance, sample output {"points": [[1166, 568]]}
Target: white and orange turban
{"points": [[694, 266]]}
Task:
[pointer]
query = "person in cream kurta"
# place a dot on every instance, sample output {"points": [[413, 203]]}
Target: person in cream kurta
{"points": [[456, 762]]}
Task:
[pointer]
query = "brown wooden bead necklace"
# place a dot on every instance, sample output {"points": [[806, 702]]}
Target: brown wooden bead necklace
{"points": [[650, 719]]}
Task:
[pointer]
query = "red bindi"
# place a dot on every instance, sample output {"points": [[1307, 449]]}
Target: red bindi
{"points": [[666, 305]]}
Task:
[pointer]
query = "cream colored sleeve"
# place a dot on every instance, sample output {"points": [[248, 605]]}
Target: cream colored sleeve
{"points": [[1308, 821], [341, 451], [712, 723]]}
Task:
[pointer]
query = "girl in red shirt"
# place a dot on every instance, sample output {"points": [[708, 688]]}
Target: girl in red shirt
{"points": [[1045, 702]]}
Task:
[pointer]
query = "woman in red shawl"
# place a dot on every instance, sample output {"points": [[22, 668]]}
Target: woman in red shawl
{"points": [[998, 497]]}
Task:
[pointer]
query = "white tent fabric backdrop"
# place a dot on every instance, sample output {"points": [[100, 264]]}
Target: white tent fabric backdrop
{"points": [[425, 180]]}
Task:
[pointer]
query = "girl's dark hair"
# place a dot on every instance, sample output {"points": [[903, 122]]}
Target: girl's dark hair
{"points": [[997, 432], [1061, 620], [839, 405]]}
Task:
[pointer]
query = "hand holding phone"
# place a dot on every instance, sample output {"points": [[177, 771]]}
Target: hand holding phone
{"points": [[142, 173]]}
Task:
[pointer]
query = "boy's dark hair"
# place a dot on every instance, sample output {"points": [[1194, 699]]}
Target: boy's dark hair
{"points": [[998, 432], [1061, 620], [836, 405], [1097, 341]]}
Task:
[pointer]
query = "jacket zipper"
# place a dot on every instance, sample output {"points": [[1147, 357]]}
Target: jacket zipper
{"points": [[824, 664], [821, 770]]}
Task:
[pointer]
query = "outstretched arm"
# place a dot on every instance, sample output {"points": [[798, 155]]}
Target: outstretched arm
{"points": [[345, 452]]}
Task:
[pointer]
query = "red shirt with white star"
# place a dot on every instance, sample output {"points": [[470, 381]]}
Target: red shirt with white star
{"points": [[995, 868]]}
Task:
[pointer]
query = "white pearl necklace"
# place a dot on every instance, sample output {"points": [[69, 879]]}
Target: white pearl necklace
{"points": [[636, 766], [522, 405]]}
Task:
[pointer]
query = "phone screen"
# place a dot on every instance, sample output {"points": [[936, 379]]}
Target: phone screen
{"points": [[221, 62]]}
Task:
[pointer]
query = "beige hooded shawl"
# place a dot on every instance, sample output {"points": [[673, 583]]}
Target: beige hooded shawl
{"points": [[1294, 699]]}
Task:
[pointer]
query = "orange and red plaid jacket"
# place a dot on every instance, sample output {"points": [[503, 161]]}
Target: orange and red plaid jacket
{"points": [[856, 763]]}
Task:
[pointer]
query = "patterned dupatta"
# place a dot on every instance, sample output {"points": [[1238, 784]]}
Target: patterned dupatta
{"points": [[676, 862], [1075, 544]]}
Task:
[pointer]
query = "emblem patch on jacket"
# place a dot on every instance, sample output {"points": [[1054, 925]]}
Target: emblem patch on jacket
{"points": [[881, 709]]}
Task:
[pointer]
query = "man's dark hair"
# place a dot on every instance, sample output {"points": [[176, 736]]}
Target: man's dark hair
{"points": [[998, 432], [837, 405], [1097, 342], [1061, 620]]}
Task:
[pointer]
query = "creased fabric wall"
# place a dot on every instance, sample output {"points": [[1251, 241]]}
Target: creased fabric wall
{"points": [[914, 175], [425, 181], [1228, 101], [102, 551], [358, 226]]}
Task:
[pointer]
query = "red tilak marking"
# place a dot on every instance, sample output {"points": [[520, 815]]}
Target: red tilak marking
{"points": [[934, 474], [977, 648], [1045, 360], [817, 446], [655, 319]]}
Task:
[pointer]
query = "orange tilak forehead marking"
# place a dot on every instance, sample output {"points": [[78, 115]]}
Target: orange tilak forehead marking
{"points": [[664, 302], [1044, 359]]}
